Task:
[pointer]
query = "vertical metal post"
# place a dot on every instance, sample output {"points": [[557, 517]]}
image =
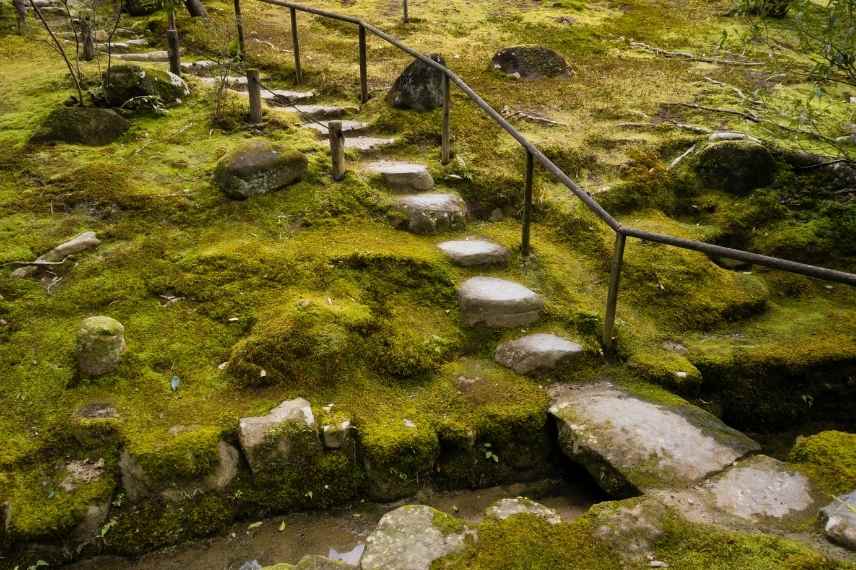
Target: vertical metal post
{"points": [[337, 149], [527, 204], [406, 16], [364, 74], [298, 73], [446, 152], [255, 92], [612, 299], [239, 22], [173, 46]]}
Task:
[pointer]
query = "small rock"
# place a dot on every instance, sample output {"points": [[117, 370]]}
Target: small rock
{"points": [[676, 347], [736, 166], [419, 87], [474, 252], [839, 520], [89, 126], [97, 411], [335, 436], [531, 62], [496, 215], [100, 346], [498, 303], [504, 508], [258, 167], [288, 424], [536, 353], [81, 472]]}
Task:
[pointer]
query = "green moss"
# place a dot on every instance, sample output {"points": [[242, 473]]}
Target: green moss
{"points": [[668, 369], [829, 457], [447, 524], [183, 455]]}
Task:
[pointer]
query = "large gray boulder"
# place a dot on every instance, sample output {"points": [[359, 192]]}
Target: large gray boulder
{"points": [[127, 81], [839, 520], [412, 537], [100, 346], [736, 166], [498, 303], [536, 353], [631, 444], [419, 87], [273, 440], [530, 63], [89, 126], [258, 167]]}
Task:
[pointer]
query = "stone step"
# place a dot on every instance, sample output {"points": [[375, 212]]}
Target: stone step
{"points": [[432, 212], [537, 353], [630, 443], [199, 66], [353, 127], [323, 111], [158, 56], [124, 46], [498, 303], [293, 96], [366, 144], [403, 176], [474, 252]]}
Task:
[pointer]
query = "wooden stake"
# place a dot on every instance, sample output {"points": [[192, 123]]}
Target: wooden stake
{"points": [[255, 91], [242, 49], [337, 149]]}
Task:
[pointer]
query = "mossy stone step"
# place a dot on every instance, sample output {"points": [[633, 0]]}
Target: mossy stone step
{"points": [[432, 212], [474, 252], [270, 96], [403, 176], [536, 353], [156, 56], [323, 111], [366, 144], [322, 127], [498, 303]]}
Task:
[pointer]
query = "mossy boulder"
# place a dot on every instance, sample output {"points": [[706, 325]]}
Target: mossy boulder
{"points": [[736, 166], [273, 440], [258, 167], [100, 346], [398, 454], [127, 81], [419, 87], [142, 7], [81, 125], [829, 457], [530, 63], [769, 8]]}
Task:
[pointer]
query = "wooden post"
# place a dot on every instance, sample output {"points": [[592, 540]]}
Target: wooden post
{"points": [[364, 74], [196, 8], [337, 149], [298, 73], [85, 26], [527, 204], [242, 49], [406, 15], [446, 135], [612, 299], [255, 91], [21, 15], [173, 46]]}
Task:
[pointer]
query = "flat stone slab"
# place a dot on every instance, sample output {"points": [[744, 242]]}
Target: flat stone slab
{"points": [[630, 444], [504, 508], [322, 127], [474, 252], [368, 144], [498, 303], [270, 96], [199, 65], [407, 539], [432, 212], [839, 520], [536, 353], [403, 176], [146, 56], [323, 111]]}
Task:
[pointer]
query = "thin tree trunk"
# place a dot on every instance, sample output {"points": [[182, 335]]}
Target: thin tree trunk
{"points": [[61, 51], [196, 8], [88, 39], [21, 14]]}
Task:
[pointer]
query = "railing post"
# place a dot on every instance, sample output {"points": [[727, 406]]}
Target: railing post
{"points": [[173, 46], [337, 149], [239, 23], [255, 93], [612, 299], [527, 204], [406, 16], [298, 73], [364, 74], [446, 152]]}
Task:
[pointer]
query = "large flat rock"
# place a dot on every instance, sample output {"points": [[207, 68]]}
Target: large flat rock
{"points": [[536, 353], [630, 444], [474, 252], [432, 212], [498, 303], [403, 176], [839, 520]]}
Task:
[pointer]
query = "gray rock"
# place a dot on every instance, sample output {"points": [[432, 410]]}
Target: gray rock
{"points": [[629, 444], [419, 87], [839, 520], [407, 539], [498, 303], [630, 527], [199, 65], [432, 212], [272, 439], [284, 97], [97, 411], [323, 111], [536, 353], [128, 81], [531, 62], [149, 56], [322, 127], [336, 435], [736, 166], [403, 176], [258, 167], [100, 346], [474, 252], [142, 7], [504, 508], [368, 144], [81, 472], [89, 126], [77, 244], [94, 517]]}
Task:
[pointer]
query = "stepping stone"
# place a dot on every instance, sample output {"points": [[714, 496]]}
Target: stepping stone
{"points": [[432, 212], [403, 176], [474, 252], [536, 353], [367, 144], [121, 47], [147, 56], [504, 508], [498, 303], [347, 127], [839, 520], [292, 96], [323, 111], [631, 444], [199, 66]]}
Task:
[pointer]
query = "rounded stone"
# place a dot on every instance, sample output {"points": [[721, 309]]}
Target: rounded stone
{"points": [[504, 508], [100, 346], [498, 303], [89, 126], [258, 167], [536, 352], [127, 81], [839, 520], [432, 212], [403, 176], [419, 87], [530, 62], [473, 252], [736, 166]]}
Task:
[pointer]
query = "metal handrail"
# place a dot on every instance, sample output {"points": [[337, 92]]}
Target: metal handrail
{"points": [[535, 154]]}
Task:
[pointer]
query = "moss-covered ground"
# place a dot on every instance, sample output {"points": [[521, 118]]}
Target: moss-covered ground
{"points": [[313, 286]]}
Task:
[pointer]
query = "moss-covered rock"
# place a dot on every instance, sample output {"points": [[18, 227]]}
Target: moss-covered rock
{"points": [[142, 7], [829, 457], [737, 166], [81, 125], [100, 346], [127, 81], [258, 167], [530, 62]]}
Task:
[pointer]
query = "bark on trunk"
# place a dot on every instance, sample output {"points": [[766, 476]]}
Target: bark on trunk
{"points": [[87, 39], [196, 8], [21, 15]]}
